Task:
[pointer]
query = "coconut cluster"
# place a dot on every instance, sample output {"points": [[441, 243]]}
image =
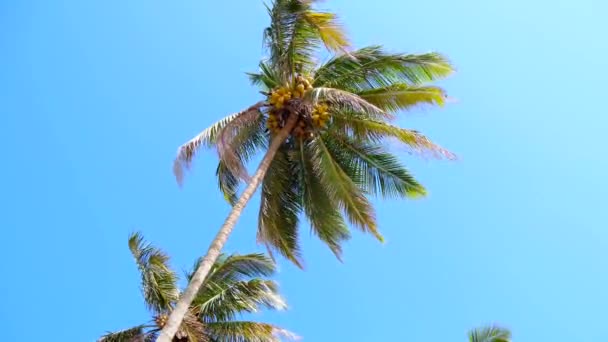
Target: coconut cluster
{"points": [[281, 96], [161, 320]]}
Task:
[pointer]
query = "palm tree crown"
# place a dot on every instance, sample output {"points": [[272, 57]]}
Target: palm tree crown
{"points": [[235, 285], [490, 334], [333, 119]]}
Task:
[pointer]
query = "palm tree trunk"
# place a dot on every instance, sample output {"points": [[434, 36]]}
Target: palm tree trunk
{"points": [[177, 315]]}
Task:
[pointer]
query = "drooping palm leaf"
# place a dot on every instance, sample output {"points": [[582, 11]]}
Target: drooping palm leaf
{"points": [[209, 137], [279, 209], [322, 212], [331, 169], [158, 281], [379, 172], [490, 334]]}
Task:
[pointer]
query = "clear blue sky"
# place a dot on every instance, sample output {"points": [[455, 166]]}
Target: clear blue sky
{"points": [[96, 96]]}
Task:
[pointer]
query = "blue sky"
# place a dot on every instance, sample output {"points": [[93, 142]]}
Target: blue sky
{"points": [[96, 96]]}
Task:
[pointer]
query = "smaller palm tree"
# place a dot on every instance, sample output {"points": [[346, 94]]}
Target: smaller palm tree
{"points": [[235, 285], [490, 334]]}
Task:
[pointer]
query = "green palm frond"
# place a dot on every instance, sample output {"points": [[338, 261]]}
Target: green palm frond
{"points": [[337, 178], [371, 67], [135, 334], [158, 281], [380, 173], [362, 127], [279, 209], [490, 334], [344, 100], [242, 331], [323, 213], [402, 97], [209, 138], [218, 302], [228, 183], [295, 33], [236, 267], [267, 78]]}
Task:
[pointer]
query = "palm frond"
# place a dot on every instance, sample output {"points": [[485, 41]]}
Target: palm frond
{"points": [[236, 267], [328, 29], [135, 334], [490, 334], [207, 138], [380, 173], [243, 331], [228, 183], [402, 96], [337, 179], [371, 67], [158, 281], [362, 127], [224, 301], [344, 100], [323, 213], [279, 209], [192, 329], [267, 78], [238, 141], [295, 33]]}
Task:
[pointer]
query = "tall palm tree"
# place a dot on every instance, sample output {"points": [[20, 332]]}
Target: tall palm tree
{"points": [[490, 334], [236, 284], [324, 129]]}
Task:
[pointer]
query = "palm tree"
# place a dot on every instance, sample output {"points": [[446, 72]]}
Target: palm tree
{"points": [[324, 129], [490, 334], [235, 285]]}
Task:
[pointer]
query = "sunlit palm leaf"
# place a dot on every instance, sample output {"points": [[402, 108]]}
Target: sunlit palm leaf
{"points": [[340, 187], [344, 100], [158, 281], [207, 138], [371, 67], [364, 128], [328, 29], [241, 331], [135, 334], [323, 213], [224, 301], [490, 334], [380, 172], [402, 96], [279, 209]]}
